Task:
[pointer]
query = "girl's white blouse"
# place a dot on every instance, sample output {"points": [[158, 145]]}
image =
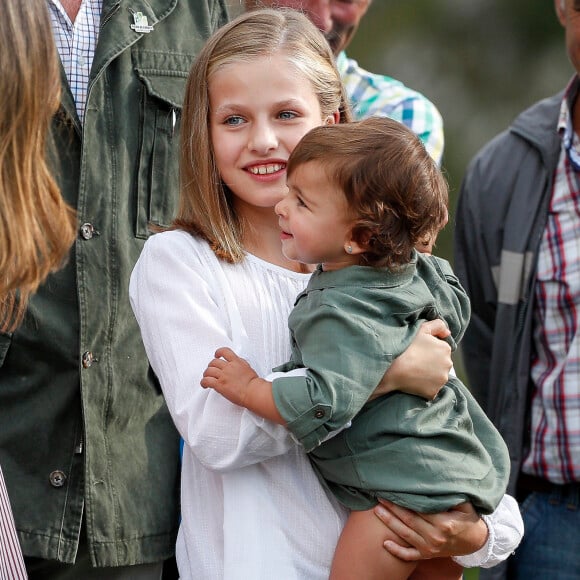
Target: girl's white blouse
{"points": [[252, 506]]}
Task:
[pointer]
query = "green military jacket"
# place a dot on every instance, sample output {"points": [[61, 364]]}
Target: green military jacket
{"points": [[83, 426]]}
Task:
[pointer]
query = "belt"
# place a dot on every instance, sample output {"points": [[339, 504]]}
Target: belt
{"points": [[532, 483]]}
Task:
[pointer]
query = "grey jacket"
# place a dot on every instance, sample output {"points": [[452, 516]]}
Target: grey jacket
{"points": [[501, 215], [83, 427]]}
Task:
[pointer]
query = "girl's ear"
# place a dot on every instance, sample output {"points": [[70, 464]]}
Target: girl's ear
{"points": [[332, 119]]}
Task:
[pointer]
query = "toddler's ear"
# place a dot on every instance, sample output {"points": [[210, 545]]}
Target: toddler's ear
{"points": [[332, 119], [352, 247]]}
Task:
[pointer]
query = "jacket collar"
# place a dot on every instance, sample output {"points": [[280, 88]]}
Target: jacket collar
{"points": [[155, 10], [116, 20], [363, 276], [539, 126]]}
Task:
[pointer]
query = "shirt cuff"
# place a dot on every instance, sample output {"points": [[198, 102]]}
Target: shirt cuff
{"points": [[476, 559], [505, 531]]}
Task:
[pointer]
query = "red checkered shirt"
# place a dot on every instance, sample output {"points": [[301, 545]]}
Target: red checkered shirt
{"points": [[555, 418]]}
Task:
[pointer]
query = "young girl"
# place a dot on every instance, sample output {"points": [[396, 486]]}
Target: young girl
{"points": [[36, 226], [252, 506], [361, 197]]}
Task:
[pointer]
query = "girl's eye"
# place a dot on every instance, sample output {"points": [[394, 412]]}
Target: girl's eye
{"points": [[234, 120], [300, 202], [287, 115]]}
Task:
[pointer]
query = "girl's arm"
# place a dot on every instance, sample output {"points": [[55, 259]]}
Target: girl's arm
{"points": [[182, 324]]}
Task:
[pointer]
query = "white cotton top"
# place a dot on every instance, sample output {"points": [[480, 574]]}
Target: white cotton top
{"points": [[252, 506], [251, 503]]}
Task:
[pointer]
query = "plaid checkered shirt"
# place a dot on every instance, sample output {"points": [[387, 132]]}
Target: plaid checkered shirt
{"points": [[76, 44], [377, 95], [555, 427]]}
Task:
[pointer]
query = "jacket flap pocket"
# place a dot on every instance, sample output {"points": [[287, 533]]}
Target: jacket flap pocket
{"points": [[163, 74]]}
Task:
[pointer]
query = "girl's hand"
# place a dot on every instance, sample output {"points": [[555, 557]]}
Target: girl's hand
{"points": [[456, 532], [423, 368]]}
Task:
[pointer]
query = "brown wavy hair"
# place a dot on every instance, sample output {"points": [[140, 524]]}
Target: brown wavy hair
{"points": [[396, 194], [36, 226], [205, 207]]}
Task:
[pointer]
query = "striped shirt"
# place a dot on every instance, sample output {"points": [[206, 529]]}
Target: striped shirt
{"points": [[377, 95], [76, 44], [11, 561], [555, 417]]}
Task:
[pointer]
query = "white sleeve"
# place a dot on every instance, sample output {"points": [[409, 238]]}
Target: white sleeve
{"points": [[182, 325], [506, 529]]}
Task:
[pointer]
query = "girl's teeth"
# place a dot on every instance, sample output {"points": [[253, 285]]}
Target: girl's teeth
{"points": [[266, 169]]}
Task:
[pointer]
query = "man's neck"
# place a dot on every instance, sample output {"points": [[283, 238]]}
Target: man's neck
{"points": [[71, 7]]}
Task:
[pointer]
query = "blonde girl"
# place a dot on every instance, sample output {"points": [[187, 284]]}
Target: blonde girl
{"points": [[252, 506], [36, 225]]}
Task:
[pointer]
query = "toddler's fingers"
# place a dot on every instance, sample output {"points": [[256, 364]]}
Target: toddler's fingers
{"points": [[225, 353], [208, 382], [217, 363]]}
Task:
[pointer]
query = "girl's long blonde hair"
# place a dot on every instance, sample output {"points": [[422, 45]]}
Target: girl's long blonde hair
{"points": [[36, 226], [205, 207]]}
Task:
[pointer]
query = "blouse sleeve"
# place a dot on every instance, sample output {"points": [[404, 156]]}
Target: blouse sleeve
{"points": [[182, 325], [506, 530]]}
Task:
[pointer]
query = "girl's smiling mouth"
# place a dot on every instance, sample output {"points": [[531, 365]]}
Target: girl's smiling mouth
{"points": [[266, 168]]}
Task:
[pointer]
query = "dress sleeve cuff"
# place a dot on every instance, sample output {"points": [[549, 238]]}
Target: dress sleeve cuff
{"points": [[505, 531], [476, 559]]}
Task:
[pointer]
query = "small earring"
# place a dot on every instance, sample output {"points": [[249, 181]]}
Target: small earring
{"points": [[349, 249]]}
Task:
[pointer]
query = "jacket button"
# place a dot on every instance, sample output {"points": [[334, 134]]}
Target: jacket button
{"points": [[57, 478], [87, 359], [319, 413], [87, 231]]}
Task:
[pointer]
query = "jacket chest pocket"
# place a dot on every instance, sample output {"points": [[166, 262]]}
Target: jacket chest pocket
{"points": [[163, 78]]}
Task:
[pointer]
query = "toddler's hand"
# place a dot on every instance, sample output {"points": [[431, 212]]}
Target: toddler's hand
{"points": [[229, 375]]}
